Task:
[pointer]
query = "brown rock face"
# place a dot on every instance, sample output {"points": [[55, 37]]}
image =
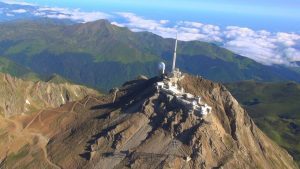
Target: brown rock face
{"points": [[19, 96], [26, 108], [145, 129]]}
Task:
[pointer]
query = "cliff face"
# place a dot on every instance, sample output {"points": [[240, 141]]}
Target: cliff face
{"points": [[137, 127], [19, 96]]}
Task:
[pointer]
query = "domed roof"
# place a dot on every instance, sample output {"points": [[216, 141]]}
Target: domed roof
{"points": [[161, 65]]}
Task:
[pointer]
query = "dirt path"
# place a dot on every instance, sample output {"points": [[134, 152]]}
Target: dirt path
{"points": [[26, 134], [43, 144], [33, 119]]}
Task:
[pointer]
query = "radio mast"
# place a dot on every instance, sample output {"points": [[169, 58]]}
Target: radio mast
{"points": [[174, 57]]}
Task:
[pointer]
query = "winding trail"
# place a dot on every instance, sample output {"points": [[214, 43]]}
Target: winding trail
{"points": [[43, 144]]}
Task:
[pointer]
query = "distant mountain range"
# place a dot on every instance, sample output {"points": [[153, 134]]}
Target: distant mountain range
{"points": [[102, 55]]}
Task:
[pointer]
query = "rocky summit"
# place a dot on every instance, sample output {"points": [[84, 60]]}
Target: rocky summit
{"points": [[136, 126]]}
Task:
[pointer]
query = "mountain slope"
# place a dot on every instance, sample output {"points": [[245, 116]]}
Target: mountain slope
{"points": [[19, 96], [85, 53], [136, 127], [14, 69], [21, 103], [275, 109]]}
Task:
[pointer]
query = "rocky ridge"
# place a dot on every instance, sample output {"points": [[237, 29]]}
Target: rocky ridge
{"points": [[137, 127], [20, 96]]}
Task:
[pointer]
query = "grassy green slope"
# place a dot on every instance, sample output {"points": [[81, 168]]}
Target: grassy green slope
{"points": [[99, 39], [8, 66], [275, 108]]}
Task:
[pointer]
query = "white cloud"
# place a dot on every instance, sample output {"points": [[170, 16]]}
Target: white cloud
{"points": [[263, 46], [287, 39], [117, 24], [138, 24], [19, 11], [141, 23], [292, 54], [9, 14], [191, 24], [232, 32], [73, 14], [13, 2], [59, 13], [164, 21], [186, 30]]}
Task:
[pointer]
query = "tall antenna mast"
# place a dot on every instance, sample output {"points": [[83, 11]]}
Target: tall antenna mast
{"points": [[174, 57]]}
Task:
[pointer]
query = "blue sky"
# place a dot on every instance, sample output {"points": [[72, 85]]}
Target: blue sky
{"points": [[266, 31], [274, 15]]}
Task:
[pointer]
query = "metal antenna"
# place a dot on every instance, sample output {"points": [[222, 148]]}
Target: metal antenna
{"points": [[174, 57]]}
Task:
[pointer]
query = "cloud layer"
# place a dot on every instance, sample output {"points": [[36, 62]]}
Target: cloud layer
{"points": [[18, 8], [260, 45], [73, 14]]}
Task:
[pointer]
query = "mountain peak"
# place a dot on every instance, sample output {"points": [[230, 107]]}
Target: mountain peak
{"points": [[96, 28], [138, 126], [55, 78], [98, 24]]}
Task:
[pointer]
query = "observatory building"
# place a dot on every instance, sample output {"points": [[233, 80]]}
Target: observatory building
{"points": [[169, 87]]}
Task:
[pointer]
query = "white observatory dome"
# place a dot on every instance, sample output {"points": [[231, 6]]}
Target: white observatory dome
{"points": [[161, 67]]}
